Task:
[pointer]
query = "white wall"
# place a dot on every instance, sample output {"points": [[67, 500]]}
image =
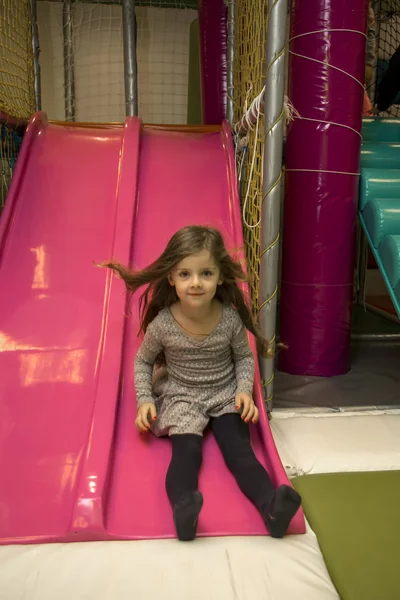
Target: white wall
{"points": [[162, 54]]}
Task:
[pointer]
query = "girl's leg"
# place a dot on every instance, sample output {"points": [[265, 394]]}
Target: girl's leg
{"points": [[276, 507], [182, 482]]}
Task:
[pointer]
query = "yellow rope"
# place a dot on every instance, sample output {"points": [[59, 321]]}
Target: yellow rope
{"points": [[270, 380], [265, 386], [276, 240], [275, 122], [269, 299]]}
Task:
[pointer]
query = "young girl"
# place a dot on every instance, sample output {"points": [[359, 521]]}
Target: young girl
{"points": [[195, 367]]}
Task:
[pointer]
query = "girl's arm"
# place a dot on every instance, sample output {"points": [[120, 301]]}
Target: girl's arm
{"points": [[144, 363], [243, 359]]}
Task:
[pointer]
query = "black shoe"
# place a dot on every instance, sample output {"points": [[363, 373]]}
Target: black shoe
{"points": [[284, 505], [186, 515]]}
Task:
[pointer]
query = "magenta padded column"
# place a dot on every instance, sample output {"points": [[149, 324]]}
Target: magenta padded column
{"points": [[213, 40], [322, 162]]}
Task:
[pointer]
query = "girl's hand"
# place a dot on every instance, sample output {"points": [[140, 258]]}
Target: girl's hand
{"points": [[250, 410], [142, 416]]}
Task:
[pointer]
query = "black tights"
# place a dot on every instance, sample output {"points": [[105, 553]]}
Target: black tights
{"points": [[233, 438]]}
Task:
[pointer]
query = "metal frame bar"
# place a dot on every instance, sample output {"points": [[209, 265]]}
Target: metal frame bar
{"points": [[230, 54], [376, 337], [130, 61], [362, 265], [36, 53], [381, 313], [69, 72], [310, 411], [392, 293], [272, 181]]}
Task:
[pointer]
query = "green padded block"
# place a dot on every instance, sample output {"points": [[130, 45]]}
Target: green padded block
{"points": [[382, 218], [381, 130], [378, 183], [356, 517], [389, 251], [380, 155]]}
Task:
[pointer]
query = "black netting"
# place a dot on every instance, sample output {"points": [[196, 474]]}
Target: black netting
{"points": [[387, 38], [10, 142]]}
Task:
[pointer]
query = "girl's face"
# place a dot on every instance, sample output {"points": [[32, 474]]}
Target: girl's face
{"points": [[196, 278]]}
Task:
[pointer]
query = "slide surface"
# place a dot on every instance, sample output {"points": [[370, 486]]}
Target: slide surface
{"points": [[379, 206], [72, 465]]}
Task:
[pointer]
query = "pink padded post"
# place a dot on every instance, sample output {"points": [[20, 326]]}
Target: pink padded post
{"points": [[322, 164]]}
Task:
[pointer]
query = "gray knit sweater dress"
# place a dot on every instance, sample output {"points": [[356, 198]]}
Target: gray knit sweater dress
{"points": [[200, 379]]}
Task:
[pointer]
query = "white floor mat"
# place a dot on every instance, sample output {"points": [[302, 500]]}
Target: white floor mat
{"points": [[223, 568], [209, 569], [334, 442]]}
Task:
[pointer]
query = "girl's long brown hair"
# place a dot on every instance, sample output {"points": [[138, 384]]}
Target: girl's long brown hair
{"points": [[160, 294]]}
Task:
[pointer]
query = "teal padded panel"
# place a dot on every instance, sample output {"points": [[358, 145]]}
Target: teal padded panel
{"points": [[378, 183], [389, 251], [381, 130], [380, 155], [382, 218]]}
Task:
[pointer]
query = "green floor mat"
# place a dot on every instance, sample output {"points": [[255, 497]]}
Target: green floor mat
{"points": [[356, 517]]}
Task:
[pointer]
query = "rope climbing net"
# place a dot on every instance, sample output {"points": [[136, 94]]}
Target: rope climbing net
{"points": [[249, 79], [17, 95]]}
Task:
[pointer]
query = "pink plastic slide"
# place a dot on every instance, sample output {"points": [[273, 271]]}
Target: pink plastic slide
{"points": [[72, 465]]}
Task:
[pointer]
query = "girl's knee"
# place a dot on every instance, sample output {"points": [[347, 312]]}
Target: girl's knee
{"points": [[188, 444]]}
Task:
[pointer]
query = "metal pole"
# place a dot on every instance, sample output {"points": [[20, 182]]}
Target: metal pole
{"points": [[272, 181], [69, 73], [229, 62], [36, 52], [130, 63], [362, 267]]}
